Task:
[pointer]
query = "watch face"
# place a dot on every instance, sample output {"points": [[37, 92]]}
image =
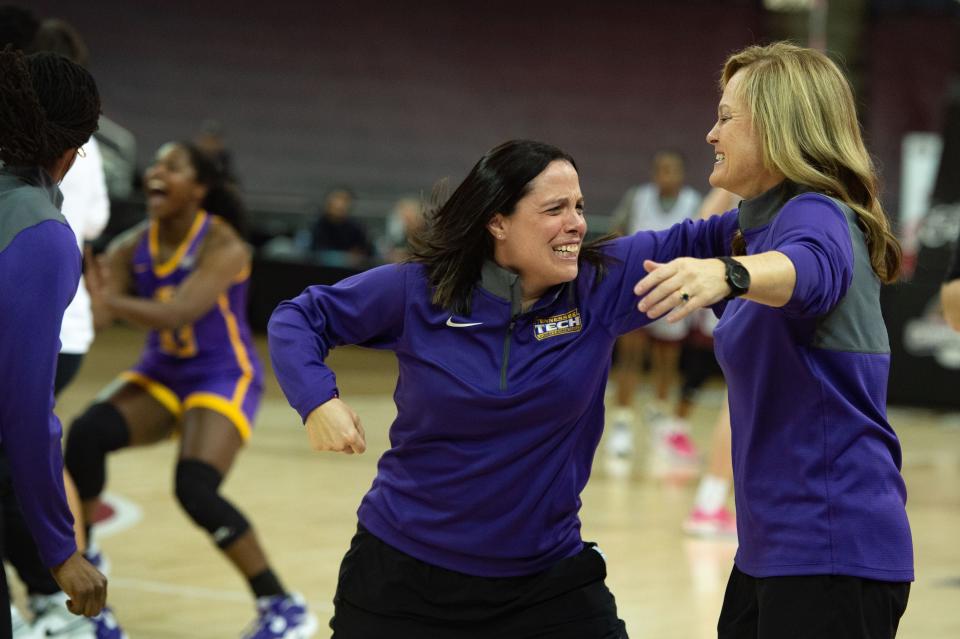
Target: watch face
{"points": [[740, 277]]}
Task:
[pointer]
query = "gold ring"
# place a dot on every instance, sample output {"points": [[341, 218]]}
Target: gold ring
{"points": [[684, 296]]}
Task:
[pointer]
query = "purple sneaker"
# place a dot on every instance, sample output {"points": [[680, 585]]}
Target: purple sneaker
{"points": [[282, 617], [55, 621], [97, 559]]}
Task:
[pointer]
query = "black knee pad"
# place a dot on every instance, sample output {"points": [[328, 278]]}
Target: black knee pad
{"points": [[196, 489], [99, 430]]}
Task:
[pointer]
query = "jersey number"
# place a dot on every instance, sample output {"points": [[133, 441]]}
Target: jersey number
{"points": [[180, 342]]}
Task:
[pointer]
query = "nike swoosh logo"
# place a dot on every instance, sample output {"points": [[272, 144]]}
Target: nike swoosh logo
{"points": [[453, 324]]}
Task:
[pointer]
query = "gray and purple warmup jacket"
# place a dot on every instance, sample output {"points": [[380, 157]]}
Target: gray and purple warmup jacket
{"points": [[498, 412], [816, 464], [39, 271]]}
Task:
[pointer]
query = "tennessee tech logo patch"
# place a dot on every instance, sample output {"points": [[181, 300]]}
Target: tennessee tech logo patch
{"points": [[557, 325]]}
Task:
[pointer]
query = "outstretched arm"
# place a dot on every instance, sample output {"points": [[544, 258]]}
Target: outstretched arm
{"points": [[772, 280], [807, 272]]}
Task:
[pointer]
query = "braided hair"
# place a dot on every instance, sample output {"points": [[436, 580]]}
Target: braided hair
{"points": [[48, 104]]}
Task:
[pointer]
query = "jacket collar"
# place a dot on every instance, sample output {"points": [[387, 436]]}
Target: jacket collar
{"points": [[505, 284], [760, 210], [38, 177]]}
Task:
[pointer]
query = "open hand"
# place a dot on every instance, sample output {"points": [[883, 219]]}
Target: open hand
{"points": [[680, 287]]}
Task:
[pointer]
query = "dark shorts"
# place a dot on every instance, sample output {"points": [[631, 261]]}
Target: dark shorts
{"points": [[383, 593], [811, 607], [697, 365]]}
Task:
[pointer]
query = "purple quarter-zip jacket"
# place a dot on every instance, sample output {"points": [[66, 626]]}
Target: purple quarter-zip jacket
{"points": [[499, 412], [39, 272], [816, 464]]}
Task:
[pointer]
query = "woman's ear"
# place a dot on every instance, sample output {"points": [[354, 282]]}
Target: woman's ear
{"points": [[59, 167], [497, 226]]}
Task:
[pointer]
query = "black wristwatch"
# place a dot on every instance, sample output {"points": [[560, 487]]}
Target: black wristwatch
{"points": [[737, 276]]}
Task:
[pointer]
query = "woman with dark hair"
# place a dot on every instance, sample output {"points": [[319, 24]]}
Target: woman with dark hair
{"points": [[86, 207], [183, 274], [48, 109], [503, 321]]}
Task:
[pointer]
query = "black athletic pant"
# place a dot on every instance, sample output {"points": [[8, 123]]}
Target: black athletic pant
{"points": [[697, 365], [68, 364], [383, 592], [811, 607], [17, 544], [18, 547]]}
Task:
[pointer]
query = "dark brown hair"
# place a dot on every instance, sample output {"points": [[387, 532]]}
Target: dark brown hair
{"points": [[454, 242]]}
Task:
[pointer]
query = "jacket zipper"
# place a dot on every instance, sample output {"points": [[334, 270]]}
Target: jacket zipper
{"points": [[506, 353]]}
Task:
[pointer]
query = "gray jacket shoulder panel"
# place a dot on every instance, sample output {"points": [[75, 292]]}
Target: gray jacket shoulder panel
{"points": [[856, 323], [22, 206]]}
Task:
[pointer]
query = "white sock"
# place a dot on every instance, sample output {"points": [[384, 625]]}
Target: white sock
{"points": [[711, 493]]}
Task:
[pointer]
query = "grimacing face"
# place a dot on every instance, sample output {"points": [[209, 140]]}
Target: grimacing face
{"points": [[541, 240], [738, 153]]}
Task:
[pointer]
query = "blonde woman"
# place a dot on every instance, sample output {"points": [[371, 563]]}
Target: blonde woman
{"points": [[825, 546]]}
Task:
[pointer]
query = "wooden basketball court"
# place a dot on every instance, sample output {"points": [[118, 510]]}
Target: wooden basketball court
{"points": [[169, 582]]}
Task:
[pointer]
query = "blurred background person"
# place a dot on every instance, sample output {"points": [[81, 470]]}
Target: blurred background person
{"points": [[950, 290], [336, 237], [654, 206], [710, 515], [211, 141], [404, 219]]}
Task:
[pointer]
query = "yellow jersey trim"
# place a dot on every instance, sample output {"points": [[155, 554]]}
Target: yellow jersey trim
{"points": [[239, 350], [156, 390], [165, 269], [243, 275], [220, 405]]}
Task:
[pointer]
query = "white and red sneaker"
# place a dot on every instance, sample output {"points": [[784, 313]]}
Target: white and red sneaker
{"points": [[720, 523], [673, 454]]}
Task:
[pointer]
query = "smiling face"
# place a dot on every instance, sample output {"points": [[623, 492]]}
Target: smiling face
{"points": [[171, 183], [541, 239], [738, 152]]}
